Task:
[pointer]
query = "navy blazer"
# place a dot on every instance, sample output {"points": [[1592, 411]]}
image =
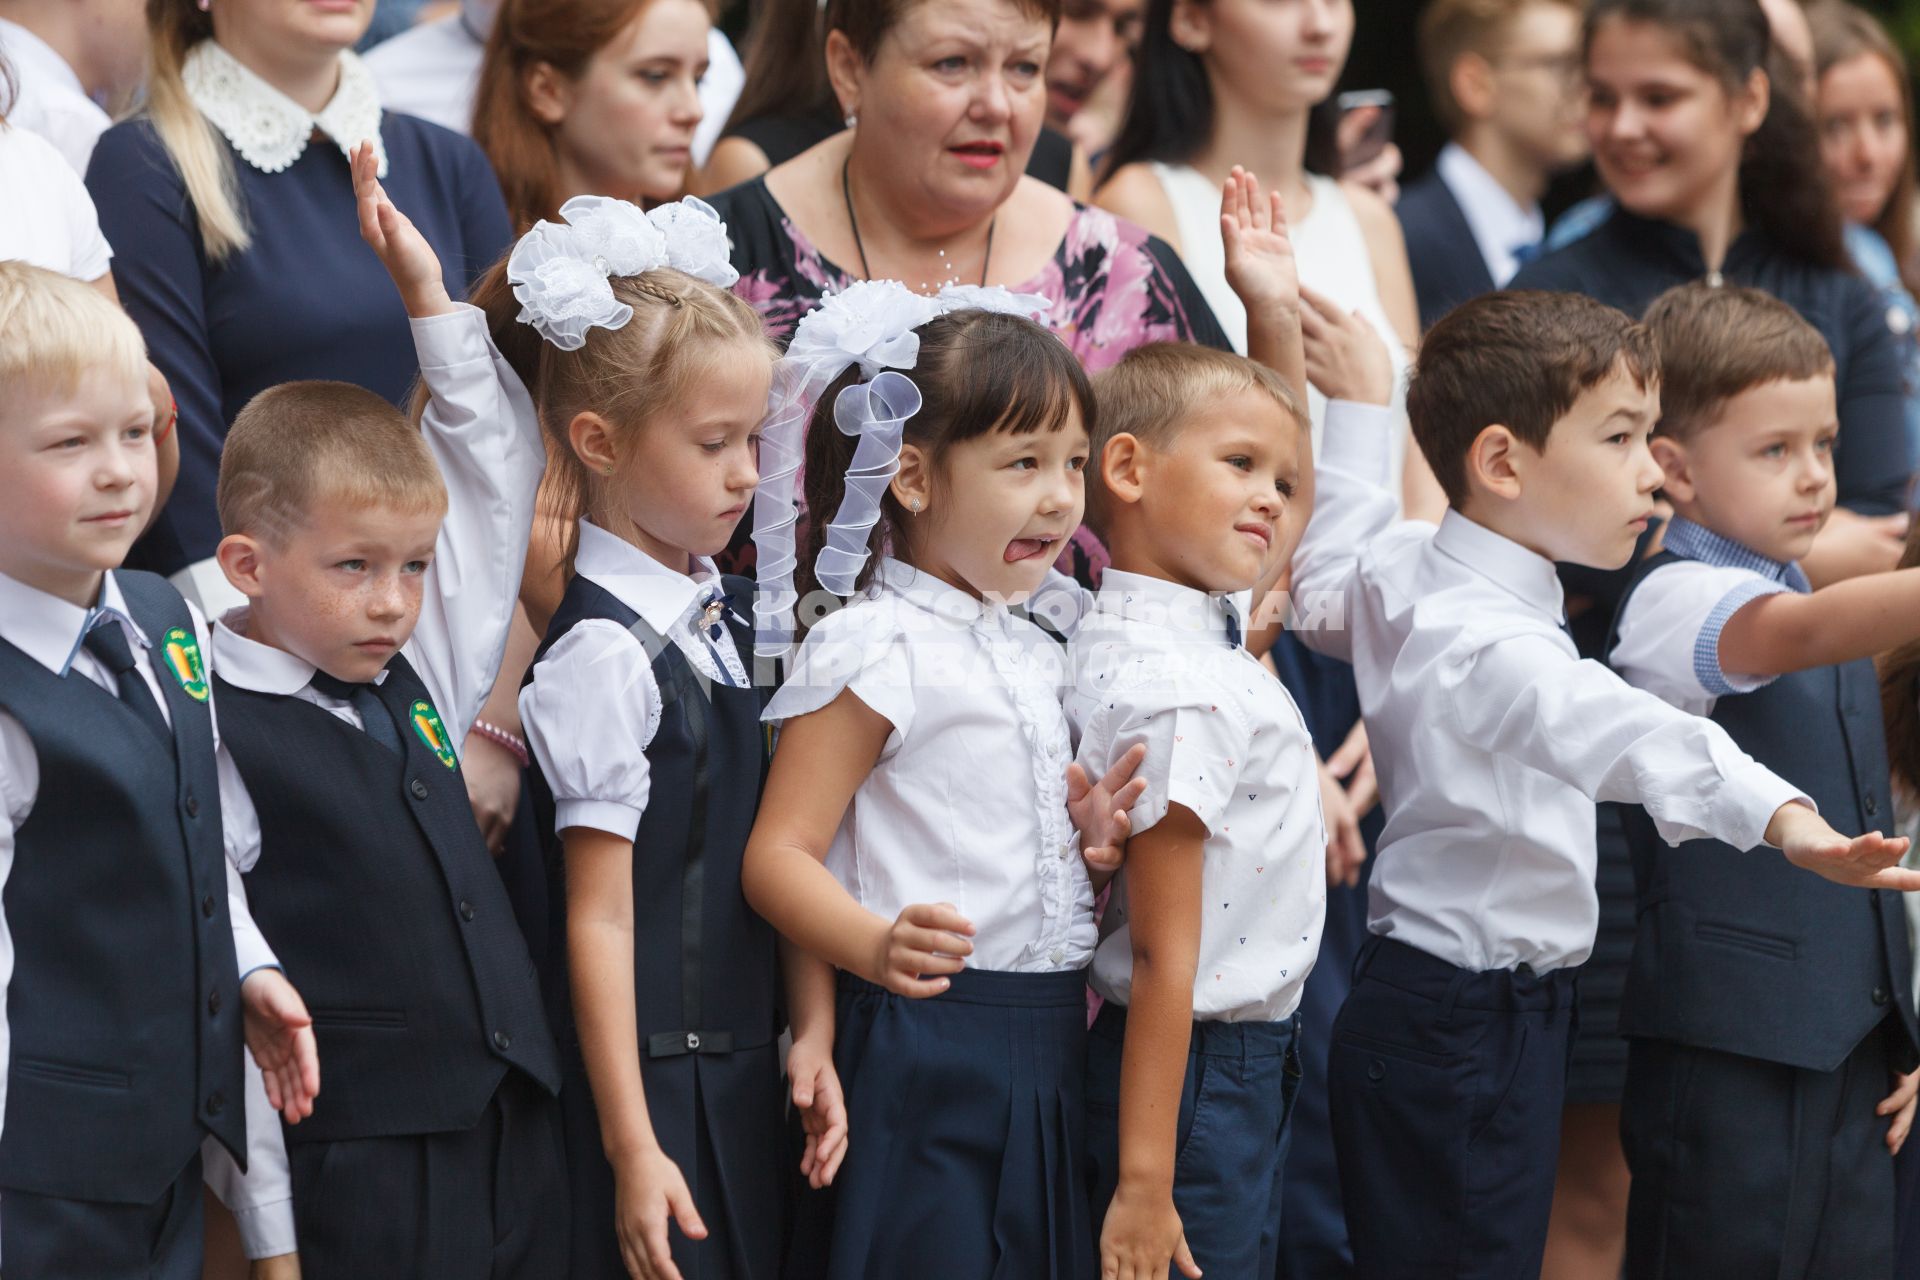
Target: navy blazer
{"points": [[1447, 264]]}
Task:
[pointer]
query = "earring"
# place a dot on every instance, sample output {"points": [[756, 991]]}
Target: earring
{"points": [[914, 506], [853, 117], [608, 469], [204, 5]]}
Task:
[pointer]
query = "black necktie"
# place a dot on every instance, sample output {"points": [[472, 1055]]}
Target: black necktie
{"points": [[107, 642], [373, 712], [1233, 628]]}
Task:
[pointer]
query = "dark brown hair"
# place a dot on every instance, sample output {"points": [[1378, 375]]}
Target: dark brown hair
{"points": [[1783, 186], [786, 65], [1717, 342], [866, 23], [978, 371], [1520, 359], [1841, 33], [1900, 695]]}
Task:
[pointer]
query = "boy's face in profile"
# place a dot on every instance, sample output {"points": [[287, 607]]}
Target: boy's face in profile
{"points": [[1214, 501], [1586, 498], [341, 588], [1761, 472], [77, 480]]}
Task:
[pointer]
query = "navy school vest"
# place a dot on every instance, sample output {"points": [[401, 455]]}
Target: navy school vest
{"points": [[706, 977], [1740, 951], [123, 1013], [378, 894]]}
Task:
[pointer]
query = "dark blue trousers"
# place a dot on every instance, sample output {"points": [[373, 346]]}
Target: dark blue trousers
{"points": [[1242, 1078], [1446, 1091], [966, 1116], [50, 1236]]}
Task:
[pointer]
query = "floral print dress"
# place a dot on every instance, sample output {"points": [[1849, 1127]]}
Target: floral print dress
{"points": [[1113, 286]]}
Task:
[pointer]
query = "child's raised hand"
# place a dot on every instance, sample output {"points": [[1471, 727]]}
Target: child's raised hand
{"points": [[1260, 265], [1900, 1105], [1866, 861], [1142, 1235], [1099, 812], [822, 1106], [649, 1189], [403, 251], [928, 938], [1346, 358], [280, 1035]]}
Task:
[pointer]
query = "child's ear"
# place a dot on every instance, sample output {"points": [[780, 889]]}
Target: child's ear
{"points": [[1672, 457], [549, 94], [1471, 83], [240, 559], [1496, 462], [1191, 26], [913, 484], [1123, 468], [592, 441]]}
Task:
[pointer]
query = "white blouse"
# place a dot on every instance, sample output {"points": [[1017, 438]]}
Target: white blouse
{"points": [[953, 811], [593, 705]]}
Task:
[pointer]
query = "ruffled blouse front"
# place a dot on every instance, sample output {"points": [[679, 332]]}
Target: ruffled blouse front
{"points": [[952, 812]]}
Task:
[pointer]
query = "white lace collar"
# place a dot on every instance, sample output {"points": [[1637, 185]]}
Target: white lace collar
{"points": [[271, 130]]}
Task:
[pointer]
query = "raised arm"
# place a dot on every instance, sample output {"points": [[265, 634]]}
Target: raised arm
{"points": [[1786, 631], [1351, 504]]}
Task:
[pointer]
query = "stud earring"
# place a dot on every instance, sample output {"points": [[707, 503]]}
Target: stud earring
{"points": [[853, 118], [608, 469], [914, 506]]}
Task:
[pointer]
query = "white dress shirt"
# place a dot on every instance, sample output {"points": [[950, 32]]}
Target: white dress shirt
{"points": [[433, 70], [968, 801], [49, 630], [49, 99], [481, 429], [47, 219], [1157, 663], [1500, 224], [593, 705], [1491, 737]]}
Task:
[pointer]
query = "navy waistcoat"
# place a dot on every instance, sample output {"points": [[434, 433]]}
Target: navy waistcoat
{"points": [[1740, 951], [124, 1008], [377, 892]]}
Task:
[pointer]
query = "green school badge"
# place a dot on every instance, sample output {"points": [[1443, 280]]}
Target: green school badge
{"points": [[426, 723], [182, 653]]}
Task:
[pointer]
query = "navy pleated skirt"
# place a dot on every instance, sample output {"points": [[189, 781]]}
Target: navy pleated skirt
{"points": [[966, 1151]]}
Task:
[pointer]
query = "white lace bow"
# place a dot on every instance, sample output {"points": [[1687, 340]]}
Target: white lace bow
{"points": [[562, 272], [870, 323]]}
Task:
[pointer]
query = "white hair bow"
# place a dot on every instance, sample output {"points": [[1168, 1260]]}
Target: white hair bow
{"points": [[871, 323], [561, 271]]}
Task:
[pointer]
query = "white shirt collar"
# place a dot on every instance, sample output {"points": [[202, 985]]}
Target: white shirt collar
{"points": [[1500, 224], [34, 58], [932, 594], [49, 630], [271, 130], [1502, 561], [1158, 602], [255, 666], [661, 596]]}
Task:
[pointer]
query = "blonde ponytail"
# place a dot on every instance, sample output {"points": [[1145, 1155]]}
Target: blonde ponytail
{"points": [[198, 152]]}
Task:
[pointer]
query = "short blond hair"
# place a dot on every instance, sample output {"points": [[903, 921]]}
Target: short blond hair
{"points": [[55, 330], [1452, 29], [1155, 390], [299, 444]]}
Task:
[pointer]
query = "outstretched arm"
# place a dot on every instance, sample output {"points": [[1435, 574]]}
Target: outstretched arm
{"points": [[1859, 618]]}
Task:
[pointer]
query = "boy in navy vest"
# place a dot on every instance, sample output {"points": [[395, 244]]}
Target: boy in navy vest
{"points": [[129, 968], [379, 600], [1769, 1015], [1493, 741]]}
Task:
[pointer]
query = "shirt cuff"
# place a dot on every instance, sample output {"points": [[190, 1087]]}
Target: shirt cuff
{"points": [[250, 950], [1706, 646], [1752, 794], [1358, 439], [602, 815], [266, 1230], [453, 337]]}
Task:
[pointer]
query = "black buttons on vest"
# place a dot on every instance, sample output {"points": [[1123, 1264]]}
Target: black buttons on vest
{"points": [[206, 906], [466, 909], [1376, 1071], [1870, 804], [193, 805], [418, 788], [216, 1103], [213, 1003], [502, 1041], [1879, 995]]}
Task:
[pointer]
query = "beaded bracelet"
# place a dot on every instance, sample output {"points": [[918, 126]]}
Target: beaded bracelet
{"points": [[511, 741]]}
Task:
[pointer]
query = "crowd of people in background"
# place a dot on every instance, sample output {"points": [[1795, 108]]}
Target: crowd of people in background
{"points": [[1140, 176]]}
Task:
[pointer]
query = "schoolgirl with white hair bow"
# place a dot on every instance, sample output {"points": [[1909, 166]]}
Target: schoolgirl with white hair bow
{"points": [[918, 830], [651, 381]]}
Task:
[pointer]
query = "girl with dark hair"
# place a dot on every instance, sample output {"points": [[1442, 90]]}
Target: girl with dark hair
{"points": [[1714, 166], [1864, 102], [591, 97], [924, 762]]}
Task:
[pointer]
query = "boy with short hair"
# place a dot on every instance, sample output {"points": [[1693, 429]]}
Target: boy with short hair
{"points": [[1493, 742], [379, 599], [1504, 76], [130, 969], [1768, 1017]]}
